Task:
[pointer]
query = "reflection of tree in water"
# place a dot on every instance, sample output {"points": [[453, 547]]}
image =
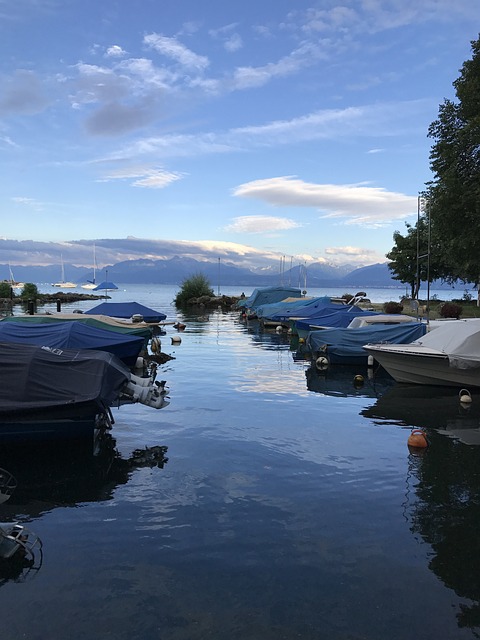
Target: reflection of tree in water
{"points": [[447, 516], [59, 475]]}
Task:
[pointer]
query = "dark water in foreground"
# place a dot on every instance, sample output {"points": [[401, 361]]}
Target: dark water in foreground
{"points": [[289, 507]]}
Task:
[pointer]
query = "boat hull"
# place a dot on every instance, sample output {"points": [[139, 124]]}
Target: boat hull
{"points": [[63, 423], [416, 367]]}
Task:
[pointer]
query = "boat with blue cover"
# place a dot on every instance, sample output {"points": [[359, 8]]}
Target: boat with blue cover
{"points": [[74, 335], [50, 393], [128, 310], [266, 295], [346, 345]]}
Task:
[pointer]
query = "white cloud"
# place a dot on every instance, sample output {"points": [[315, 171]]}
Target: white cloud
{"points": [[261, 224], [172, 48], [234, 43], [144, 177], [30, 203], [248, 77], [357, 204], [388, 119], [115, 52]]}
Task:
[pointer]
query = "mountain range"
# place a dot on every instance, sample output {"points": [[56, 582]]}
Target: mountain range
{"points": [[175, 270]]}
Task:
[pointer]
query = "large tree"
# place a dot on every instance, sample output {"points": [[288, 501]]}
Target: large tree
{"points": [[454, 192], [411, 257]]}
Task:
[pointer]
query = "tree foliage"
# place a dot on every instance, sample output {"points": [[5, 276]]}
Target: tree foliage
{"points": [[5, 290], [452, 212], [194, 287], [403, 256], [29, 291], [454, 192]]}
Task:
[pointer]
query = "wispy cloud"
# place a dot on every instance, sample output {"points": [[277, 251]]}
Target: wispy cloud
{"points": [[176, 51], [145, 177], [261, 224], [30, 203], [387, 119], [355, 204]]}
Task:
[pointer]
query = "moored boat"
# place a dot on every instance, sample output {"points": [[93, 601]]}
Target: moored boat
{"points": [[447, 356], [50, 393], [346, 346], [74, 335]]}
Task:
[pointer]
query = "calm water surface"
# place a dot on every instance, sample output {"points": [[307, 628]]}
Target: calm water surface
{"points": [[289, 506]]}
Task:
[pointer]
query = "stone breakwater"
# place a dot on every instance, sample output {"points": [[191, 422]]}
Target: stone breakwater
{"points": [[212, 302]]}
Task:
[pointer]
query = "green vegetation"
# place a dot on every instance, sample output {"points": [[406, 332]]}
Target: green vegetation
{"points": [[29, 291], [392, 307], [448, 225], [194, 287], [5, 290]]}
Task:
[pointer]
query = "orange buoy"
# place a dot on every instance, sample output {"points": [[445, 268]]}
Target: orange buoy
{"points": [[418, 439]]}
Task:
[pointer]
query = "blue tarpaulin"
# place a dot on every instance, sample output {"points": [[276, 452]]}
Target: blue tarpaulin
{"points": [[345, 346], [267, 295], [127, 310], [303, 308], [340, 318], [73, 335], [105, 285]]}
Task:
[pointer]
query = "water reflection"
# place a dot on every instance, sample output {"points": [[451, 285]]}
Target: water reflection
{"points": [[348, 381], [428, 407], [443, 500], [45, 477], [74, 472]]}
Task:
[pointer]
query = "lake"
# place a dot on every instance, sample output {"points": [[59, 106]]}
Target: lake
{"points": [[285, 503]]}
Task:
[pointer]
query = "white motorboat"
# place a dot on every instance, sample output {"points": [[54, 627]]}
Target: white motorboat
{"points": [[447, 356]]}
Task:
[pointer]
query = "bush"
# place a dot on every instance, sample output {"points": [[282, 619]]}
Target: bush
{"points": [[451, 310], [392, 307], [194, 287], [29, 291], [5, 290]]}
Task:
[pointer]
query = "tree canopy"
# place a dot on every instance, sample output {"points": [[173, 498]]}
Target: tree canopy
{"points": [[453, 194]]}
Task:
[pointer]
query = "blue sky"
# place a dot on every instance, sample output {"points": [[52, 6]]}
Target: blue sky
{"points": [[244, 131]]}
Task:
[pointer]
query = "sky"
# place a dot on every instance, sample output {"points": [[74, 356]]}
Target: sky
{"points": [[253, 132]]}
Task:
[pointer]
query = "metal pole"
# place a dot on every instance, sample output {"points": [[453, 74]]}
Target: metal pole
{"points": [[418, 249], [428, 263]]}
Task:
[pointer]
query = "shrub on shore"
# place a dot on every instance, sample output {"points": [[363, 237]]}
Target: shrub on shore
{"points": [[194, 287], [393, 307], [451, 310]]}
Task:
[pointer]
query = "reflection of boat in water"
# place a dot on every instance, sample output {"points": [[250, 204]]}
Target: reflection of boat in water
{"points": [[442, 503], [429, 407], [58, 475], [61, 474], [348, 381]]}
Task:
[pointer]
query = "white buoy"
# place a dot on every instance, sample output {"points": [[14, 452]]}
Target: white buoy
{"points": [[322, 363], [176, 340], [279, 328], [370, 361], [465, 396]]}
